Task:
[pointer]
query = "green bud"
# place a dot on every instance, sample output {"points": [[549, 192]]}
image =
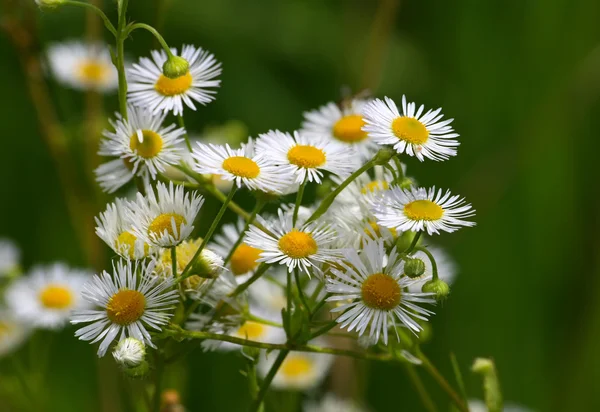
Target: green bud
{"points": [[49, 4], [406, 183], [491, 384], [438, 287], [208, 265], [414, 267], [384, 155], [175, 67]]}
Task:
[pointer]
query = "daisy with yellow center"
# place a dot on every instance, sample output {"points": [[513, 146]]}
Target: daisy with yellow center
{"points": [[305, 246], [242, 166], [13, 332], [127, 303], [420, 209], [342, 124], [423, 135], [114, 227], [150, 88], [164, 219], [307, 156], [46, 297], [376, 286], [142, 142], [83, 66]]}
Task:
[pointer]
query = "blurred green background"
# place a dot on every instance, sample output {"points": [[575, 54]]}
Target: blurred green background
{"points": [[522, 80]]}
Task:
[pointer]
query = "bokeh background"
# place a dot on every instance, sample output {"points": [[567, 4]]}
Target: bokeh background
{"points": [[521, 79]]}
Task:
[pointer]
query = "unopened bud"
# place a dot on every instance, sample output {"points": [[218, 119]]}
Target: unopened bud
{"points": [[414, 267], [384, 155], [208, 265], [437, 287], [406, 183], [175, 67], [130, 352]]}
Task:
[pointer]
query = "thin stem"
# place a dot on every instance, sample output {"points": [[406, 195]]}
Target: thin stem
{"points": [[185, 135], [160, 366], [209, 234], [211, 189], [300, 291], [120, 63], [154, 32], [323, 330], [319, 306], [257, 208], [267, 381], [437, 376], [174, 261], [288, 306], [299, 196], [96, 10], [413, 244], [418, 384], [434, 268], [263, 321], [261, 269]]}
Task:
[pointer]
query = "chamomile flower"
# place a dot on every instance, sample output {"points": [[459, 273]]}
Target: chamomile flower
{"points": [[116, 173], [307, 156], [445, 266], [304, 246], [127, 303], [242, 166], [299, 370], [114, 227], [83, 66], [13, 332], [9, 256], [411, 132], [142, 141], [376, 286], [244, 259], [150, 88], [165, 219], [331, 403], [420, 209], [341, 124], [45, 298]]}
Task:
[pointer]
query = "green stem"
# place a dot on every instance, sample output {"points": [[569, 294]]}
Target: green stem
{"points": [[288, 292], [299, 196], [319, 306], [257, 208], [256, 405], [263, 321], [154, 32], [120, 63], [174, 261], [160, 366], [185, 135], [413, 244], [96, 10], [437, 376], [434, 268], [300, 291], [418, 384], [209, 234], [261, 269], [323, 330]]}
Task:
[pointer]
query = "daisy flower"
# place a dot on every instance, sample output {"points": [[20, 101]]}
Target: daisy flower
{"points": [[307, 156], [242, 166], [12, 332], [165, 219], [150, 88], [299, 370], [46, 297], [303, 247], [414, 133], [341, 124], [126, 304], [374, 283], [445, 266], [142, 141], [9, 256], [420, 209], [114, 227], [116, 173], [83, 66]]}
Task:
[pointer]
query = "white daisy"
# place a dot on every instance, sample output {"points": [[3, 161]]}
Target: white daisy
{"points": [[9, 256], [331, 403], [420, 209], [142, 141], [114, 227], [116, 173], [299, 370], [341, 124], [150, 88], [165, 219], [46, 297], [414, 133], [445, 266], [83, 66], [13, 332], [242, 166], [127, 303], [304, 246], [307, 156], [375, 283]]}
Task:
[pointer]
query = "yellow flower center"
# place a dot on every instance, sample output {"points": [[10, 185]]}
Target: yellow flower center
{"points": [[410, 130], [173, 87], [125, 307], [297, 245], [375, 186], [423, 210], [295, 366], [349, 129], [150, 145], [93, 71], [241, 166], [306, 156], [127, 240], [381, 291], [56, 297], [251, 330], [166, 221], [244, 258]]}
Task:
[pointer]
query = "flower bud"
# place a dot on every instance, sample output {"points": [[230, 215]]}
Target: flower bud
{"points": [[438, 287], [175, 67], [130, 352], [208, 265], [414, 267], [406, 183], [50, 4], [384, 155]]}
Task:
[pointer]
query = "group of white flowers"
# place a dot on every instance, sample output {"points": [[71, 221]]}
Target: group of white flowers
{"points": [[358, 250]]}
